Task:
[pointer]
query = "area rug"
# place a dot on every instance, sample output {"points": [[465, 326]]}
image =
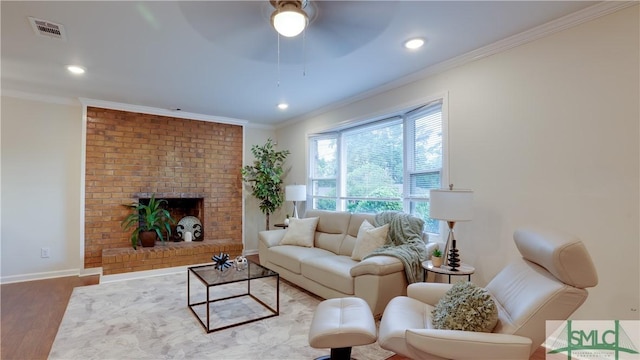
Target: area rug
{"points": [[149, 319]]}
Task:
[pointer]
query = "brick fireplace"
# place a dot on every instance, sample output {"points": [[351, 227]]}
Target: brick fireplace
{"points": [[179, 205], [193, 164]]}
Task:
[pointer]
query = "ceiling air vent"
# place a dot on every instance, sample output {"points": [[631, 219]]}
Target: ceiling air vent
{"points": [[48, 29]]}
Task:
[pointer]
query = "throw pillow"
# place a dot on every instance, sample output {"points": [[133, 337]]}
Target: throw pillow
{"points": [[369, 238], [465, 307], [300, 232]]}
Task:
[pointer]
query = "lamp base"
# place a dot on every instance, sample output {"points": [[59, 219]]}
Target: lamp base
{"points": [[295, 210], [454, 258]]}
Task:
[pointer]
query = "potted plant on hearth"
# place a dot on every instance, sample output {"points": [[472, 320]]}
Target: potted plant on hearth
{"points": [[149, 222]]}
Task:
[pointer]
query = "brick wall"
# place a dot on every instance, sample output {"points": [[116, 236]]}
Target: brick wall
{"points": [[131, 153]]}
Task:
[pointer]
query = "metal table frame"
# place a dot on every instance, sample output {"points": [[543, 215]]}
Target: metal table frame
{"points": [[248, 278], [463, 270]]}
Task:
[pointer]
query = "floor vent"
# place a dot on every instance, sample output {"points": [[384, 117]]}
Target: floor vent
{"points": [[48, 29]]}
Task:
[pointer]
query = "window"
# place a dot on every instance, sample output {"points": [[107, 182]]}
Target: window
{"points": [[388, 164], [324, 172]]}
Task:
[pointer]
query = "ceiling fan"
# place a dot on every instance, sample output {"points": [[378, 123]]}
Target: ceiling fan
{"points": [[332, 28], [289, 18]]}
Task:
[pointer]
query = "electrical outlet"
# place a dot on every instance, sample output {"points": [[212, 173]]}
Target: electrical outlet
{"points": [[44, 252]]}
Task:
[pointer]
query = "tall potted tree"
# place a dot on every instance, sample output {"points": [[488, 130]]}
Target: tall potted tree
{"points": [[264, 177], [149, 222]]}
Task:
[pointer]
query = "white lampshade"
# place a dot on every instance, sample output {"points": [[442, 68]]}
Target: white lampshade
{"points": [[289, 20], [451, 205], [295, 193]]}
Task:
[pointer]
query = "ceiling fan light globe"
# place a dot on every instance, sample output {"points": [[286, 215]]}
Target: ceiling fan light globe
{"points": [[289, 21]]}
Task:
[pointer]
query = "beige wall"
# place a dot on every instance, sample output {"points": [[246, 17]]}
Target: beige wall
{"points": [[546, 134], [41, 160], [254, 219]]}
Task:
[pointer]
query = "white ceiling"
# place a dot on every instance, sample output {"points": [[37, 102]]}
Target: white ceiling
{"points": [[220, 58]]}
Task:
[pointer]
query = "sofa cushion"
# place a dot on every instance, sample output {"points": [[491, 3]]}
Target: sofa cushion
{"points": [[467, 307], [330, 242], [349, 241], [369, 238], [331, 228], [356, 222], [331, 222], [331, 271], [300, 232], [291, 256]]}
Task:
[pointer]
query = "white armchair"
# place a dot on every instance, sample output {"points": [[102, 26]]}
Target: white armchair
{"points": [[547, 284]]}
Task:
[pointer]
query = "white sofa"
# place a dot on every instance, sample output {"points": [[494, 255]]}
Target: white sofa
{"points": [[327, 269]]}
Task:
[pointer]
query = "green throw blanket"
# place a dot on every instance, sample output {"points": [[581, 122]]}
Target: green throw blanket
{"points": [[404, 241]]}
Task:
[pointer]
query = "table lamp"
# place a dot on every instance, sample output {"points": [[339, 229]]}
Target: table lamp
{"points": [[295, 193], [451, 206]]}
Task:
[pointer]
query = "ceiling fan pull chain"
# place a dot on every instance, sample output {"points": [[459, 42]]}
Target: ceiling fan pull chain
{"points": [[304, 53], [278, 82]]}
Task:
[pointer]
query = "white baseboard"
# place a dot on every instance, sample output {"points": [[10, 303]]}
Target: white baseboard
{"points": [[250, 252], [146, 273], [38, 276], [98, 271], [91, 272]]}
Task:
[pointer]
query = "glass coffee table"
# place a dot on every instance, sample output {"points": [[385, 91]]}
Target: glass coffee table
{"points": [[238, 306]]}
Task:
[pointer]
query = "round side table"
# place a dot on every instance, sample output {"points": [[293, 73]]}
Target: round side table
{"points": [[463, 270]]}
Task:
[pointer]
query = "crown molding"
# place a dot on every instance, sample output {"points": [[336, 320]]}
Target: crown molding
{"points": [[555, 26], [120, 106], [161, 112], [574, 19], [255, 125], [39, 97]]}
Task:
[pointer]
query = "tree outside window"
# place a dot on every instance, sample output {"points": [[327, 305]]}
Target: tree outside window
{"points": [[380, 166]]}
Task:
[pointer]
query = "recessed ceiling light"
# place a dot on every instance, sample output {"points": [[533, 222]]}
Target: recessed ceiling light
{"points": [[414, 43], [75, 69], [283, 106]]}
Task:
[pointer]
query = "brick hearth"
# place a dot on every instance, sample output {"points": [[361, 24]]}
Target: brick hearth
{"points": [[122, 260]]}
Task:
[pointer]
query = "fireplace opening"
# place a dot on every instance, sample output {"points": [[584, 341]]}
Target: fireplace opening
{"points": [[186, 209]]}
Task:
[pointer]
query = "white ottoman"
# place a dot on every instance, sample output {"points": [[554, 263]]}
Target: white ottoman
{"points": [[340, 324]]}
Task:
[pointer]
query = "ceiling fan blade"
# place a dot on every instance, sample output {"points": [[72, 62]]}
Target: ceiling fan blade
{"points": [[243, 28], [341, 27], [234, 25]]}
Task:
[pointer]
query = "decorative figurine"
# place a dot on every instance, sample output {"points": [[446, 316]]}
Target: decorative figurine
{"points": [[241, 263], [221, 261]]}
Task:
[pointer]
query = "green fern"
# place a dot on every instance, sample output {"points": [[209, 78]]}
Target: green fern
{"points": [[148, 217]]}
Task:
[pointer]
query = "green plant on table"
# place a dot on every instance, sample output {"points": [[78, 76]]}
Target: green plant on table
{"points": [[436, 253], [148, 217]]}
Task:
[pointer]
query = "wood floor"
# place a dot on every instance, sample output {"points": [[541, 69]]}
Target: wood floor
{"points": [[31, 313]]}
